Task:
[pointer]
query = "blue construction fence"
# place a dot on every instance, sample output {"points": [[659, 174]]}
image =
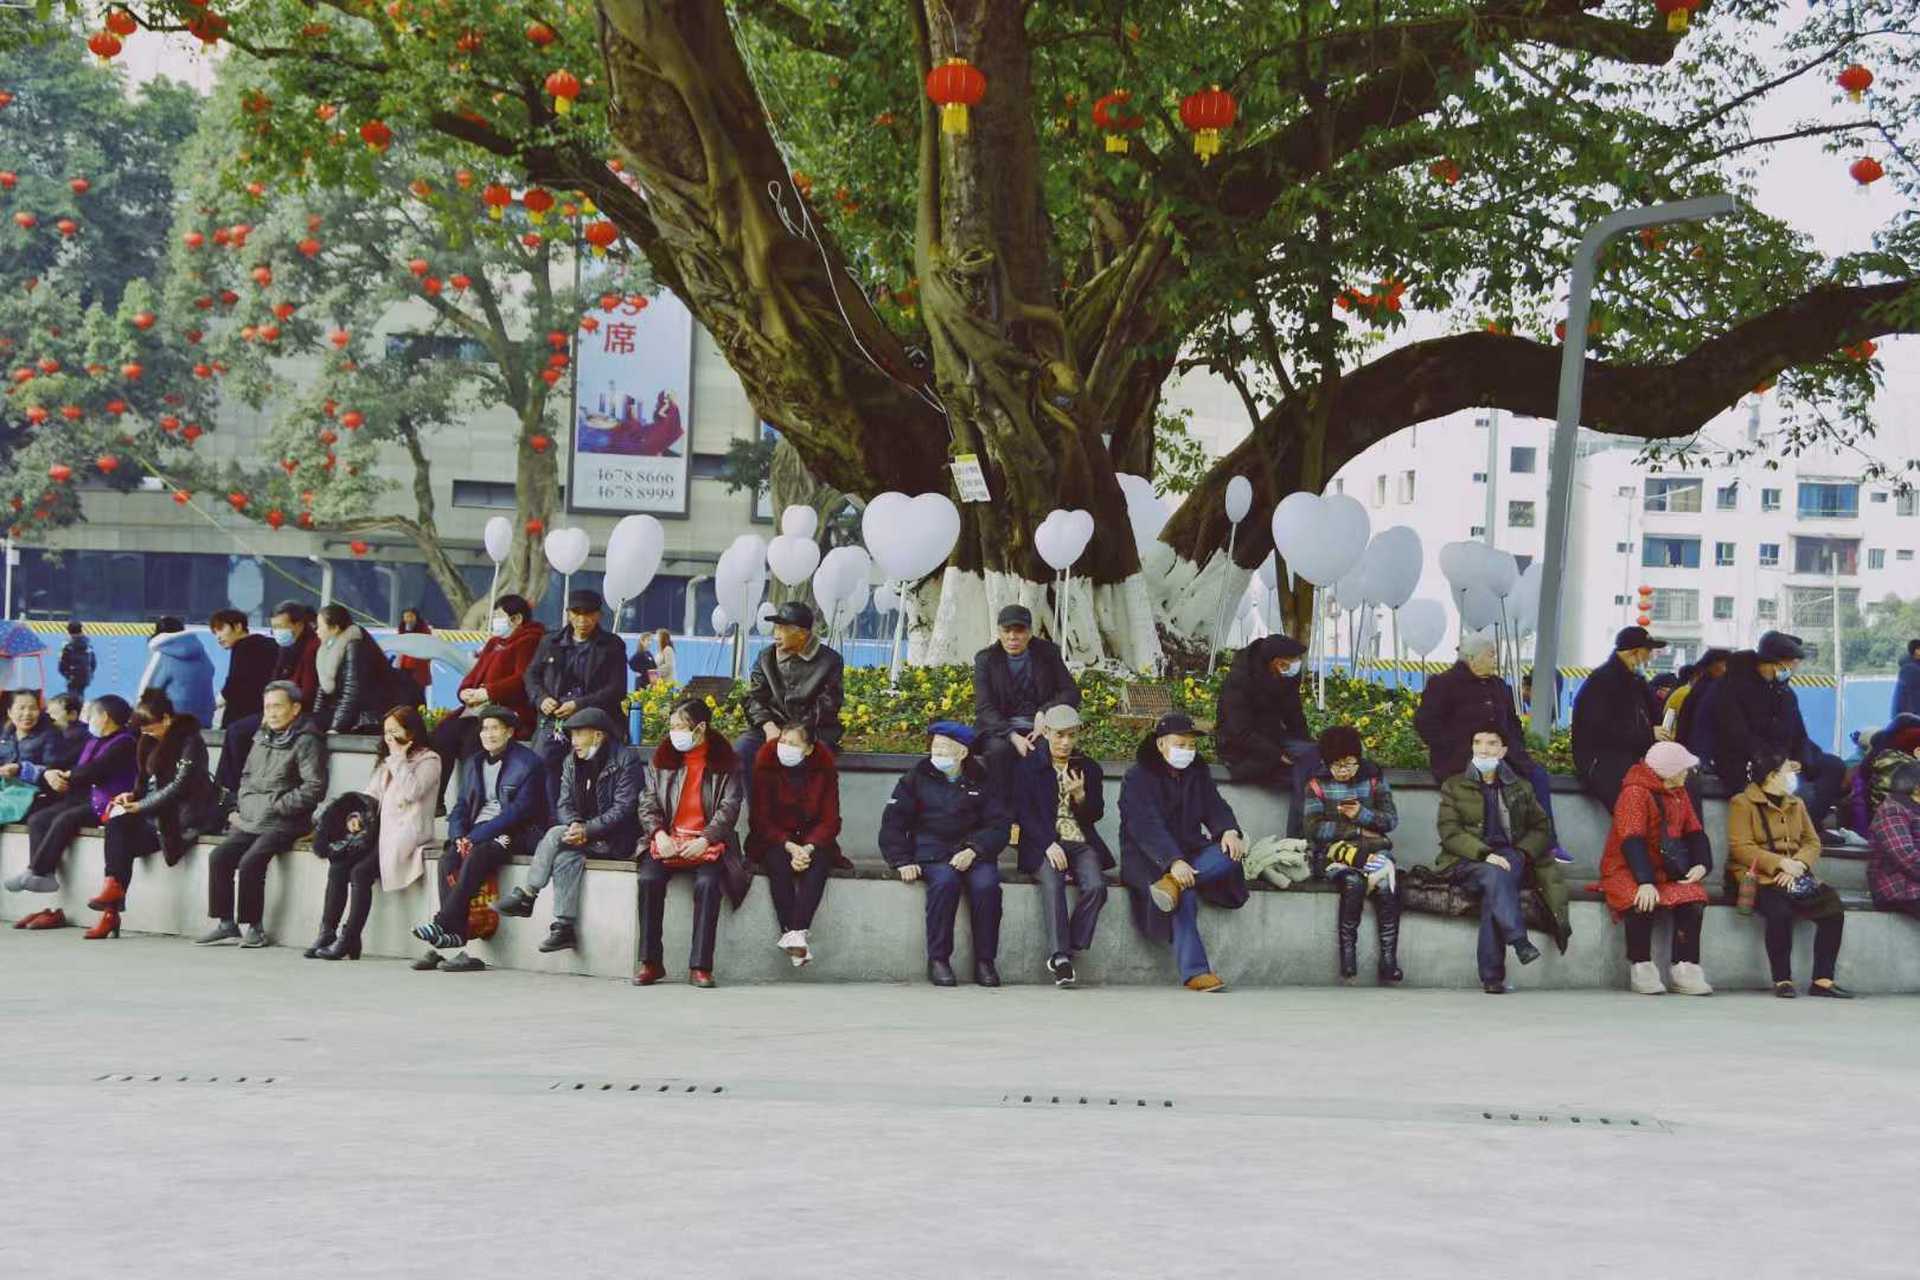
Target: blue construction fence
{"points": [[122, 649]]}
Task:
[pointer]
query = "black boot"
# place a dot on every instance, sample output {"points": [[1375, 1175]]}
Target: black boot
{"points": [[1386, 915], [1353, 900], [320, 944]]}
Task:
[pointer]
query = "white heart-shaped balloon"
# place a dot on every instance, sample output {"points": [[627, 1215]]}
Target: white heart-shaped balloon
{"points": [[1479, 608], [1347, 593], [634, 549], [567, 549], [910, 537], [1063, 536], [1458, 562], [841, 571], [1423, 625], [1321, 537], [800, 521], [498, 537], [1239, 499], [1390, 569], [793, 558], [886, 599], [1146, 513]]}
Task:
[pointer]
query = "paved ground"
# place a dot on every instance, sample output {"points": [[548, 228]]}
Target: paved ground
{"points": [[401, 1124]]}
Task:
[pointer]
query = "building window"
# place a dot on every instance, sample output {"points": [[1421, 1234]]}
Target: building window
{"points": [[414, 347], [1406, 486], [1670, 605], [1670, 553], [1619, 599], [1812, 607], [1479, 477], [1673, 495], [1523, 459], [1519, 515], [1876, 557], [1379, 491], [1727, 497], [1826, 555], [1823, 501], [1903, 555], [1723, 608], [1623, 548], [1723, 554], [1878, 495], [1769, 555], [1906, 504], [1769, 499], [1477, 531], [1766, 611], [496, 494]]}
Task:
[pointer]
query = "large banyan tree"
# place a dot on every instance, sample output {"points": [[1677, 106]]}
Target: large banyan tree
{"points": [[1109, 192]]}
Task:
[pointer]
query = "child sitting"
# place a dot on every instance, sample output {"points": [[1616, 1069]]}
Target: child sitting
{"points": [[1349, 813]]}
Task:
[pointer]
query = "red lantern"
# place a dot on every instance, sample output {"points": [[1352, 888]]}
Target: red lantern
{"points": [[104, 45], [107, 463], [558, 360], [590, 324], [539, 444], [289, 465], [531, 240], [1866, 171], [202, 372], [121, 22], [237, 500], [193, 432], [352, 419], [72, 412], [539, 34], [1208, 113], [257, 189], [269, 333], [376, 134], [1444, 170], [565, 87], [329, 438], [339, 338], [306, 519], [182, 497], [1110, 116], [431, 286], [262, 275], [275, 518], [1644, 619], [193, 239], [66, 227], [358, 547], [309, 246], [25, 221], [601, 236], [60, 473], [536, 527], [497, 198], [538, 200], [608, 301], [283, 310], [143, 320], [49, 365], [550, 376], [169, 424], [208, 28], [1856, 80], [131, 372], [7, 178], [36, 414], [460, 283], [463, 178], [228, 297], [955, 85], [116, 407], [556, 340], [80, 186], [419, 267]]}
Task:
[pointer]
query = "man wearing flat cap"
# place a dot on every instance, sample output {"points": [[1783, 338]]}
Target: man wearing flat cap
{"points": [[796, 680], [1014, 679], [1615, 717], [1262, 734], [1057, 807], [576, 667], [1757, 713]]}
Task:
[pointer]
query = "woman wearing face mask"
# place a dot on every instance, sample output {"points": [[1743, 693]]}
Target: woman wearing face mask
{"points": [[793, 831], [1179, 842], [1657, 859], [385, 839], [81, 797], [689, 809], [1773, 848], [498, 679], [945, 825]]}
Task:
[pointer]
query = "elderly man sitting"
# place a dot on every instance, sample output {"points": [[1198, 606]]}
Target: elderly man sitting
{"points": [[796, 680], [1014, 679]]}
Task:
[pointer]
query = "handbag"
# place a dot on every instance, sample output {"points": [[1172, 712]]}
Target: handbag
{"points": [[482, 920], [680, 863], [15, 799]]}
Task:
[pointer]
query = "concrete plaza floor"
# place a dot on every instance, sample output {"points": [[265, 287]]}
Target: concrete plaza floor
{"points": [[393, 1123]]}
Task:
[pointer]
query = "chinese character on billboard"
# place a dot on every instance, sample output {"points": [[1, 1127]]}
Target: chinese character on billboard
{"points": [[632, 429]]}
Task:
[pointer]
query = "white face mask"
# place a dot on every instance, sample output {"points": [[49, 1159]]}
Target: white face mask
{"points": [[1290, 670], [1180, 757], [949, 765], [1786, 783], [283, 636], [682, 740], [501, 624], [1486, 764], [790, 755]]}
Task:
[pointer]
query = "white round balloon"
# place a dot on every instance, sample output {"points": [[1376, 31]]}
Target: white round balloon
{"points": [[800, 521], [634, 549], [1239, 499], [1390, 569], [1423, 625], [721, 622], [1479, 608], [1146, 512], [498, 537], [567, 549]]}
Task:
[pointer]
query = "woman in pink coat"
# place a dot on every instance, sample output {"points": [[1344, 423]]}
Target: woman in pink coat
{"points": [[382, 835]]}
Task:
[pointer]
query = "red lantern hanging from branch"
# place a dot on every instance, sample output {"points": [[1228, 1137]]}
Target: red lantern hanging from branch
{"points": [[564, 86], [1856, 80], [1208, 114], [601, 236], [275, 518], [67, 228], [497, 197], [107, 463], [1866, 171], [104, 45], [954, 86], [376, 134], [538, 200], [1111, 118], [539, 34], [60, 473], [143, 320], [358, 547], [121, 22], [79, 186]]}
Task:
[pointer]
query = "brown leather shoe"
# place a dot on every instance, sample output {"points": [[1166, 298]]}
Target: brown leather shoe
{"points": [[1206, 983], [55, 919], [701, 978], [1165, 893], [648, 974]]}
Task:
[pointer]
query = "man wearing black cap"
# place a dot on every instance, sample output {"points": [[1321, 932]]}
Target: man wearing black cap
{"points": [[1687, 709], [1615, 718], [1013, 681], [576, 667], [1263, 732], [1757, 712], [796, 680]]}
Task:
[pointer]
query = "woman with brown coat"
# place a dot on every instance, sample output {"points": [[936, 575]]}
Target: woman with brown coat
{"points": [[1772, 841]]}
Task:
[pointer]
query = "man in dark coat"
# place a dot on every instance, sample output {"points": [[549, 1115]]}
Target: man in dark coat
{"points": [[78, 661], [295, 662], [1057, 807], [1462, 700], [1906, 686], [1179, 842], [576, 667], [498, 813], [1015, 679], [1614, 716], [250, 662], [944, 824], [796, 680], [1757, 712], [1262, 733]]}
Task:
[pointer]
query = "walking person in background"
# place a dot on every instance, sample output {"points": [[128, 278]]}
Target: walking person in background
{"points": [[78, 661], [172, 802], [418, 670], [793, 831], [663, 656], [1058, 802], [1772, 850], [642, 665], [250, 662], [180, 668], [1657, 859], [78, 797], [400, 796]]}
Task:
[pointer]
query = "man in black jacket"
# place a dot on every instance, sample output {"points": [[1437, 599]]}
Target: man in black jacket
{"points": [[250, 663], [1757, 712], [78, 661], [1614, 717], [1262, 733], [796, 680], [1013, 681], [576, 667]]}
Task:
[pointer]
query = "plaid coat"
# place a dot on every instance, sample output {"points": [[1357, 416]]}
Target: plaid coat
{"points": [[1893, 869]]}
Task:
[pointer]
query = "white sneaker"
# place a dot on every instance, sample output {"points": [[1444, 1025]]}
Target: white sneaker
{"points": [[789, 940], [806, 949], [1645, 980], [1690, 980]]}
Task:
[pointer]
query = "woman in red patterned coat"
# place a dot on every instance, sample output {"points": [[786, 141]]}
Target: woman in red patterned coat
{"points": [[1657, 858]]}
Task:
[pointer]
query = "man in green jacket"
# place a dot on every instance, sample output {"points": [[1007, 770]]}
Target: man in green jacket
{"points": [[1492, 830]]}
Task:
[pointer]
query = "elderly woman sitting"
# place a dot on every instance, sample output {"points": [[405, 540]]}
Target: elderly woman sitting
{"points": [[1657, 859]]}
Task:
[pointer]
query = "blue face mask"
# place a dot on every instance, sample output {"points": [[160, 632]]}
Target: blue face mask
{"points": [[283, 636], [1782, 674]]}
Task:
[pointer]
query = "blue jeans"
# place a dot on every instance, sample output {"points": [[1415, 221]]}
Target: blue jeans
{"points": [[1501, 922], [981, 883], [1189, 952]]}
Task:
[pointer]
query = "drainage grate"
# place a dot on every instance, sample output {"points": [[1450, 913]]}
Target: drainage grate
{"points": [[117, 1078], [654, 1090], [1080, 1100], [1584, 1120]]}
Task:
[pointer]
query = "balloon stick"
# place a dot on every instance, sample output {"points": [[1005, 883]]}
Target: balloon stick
{"points": [[1220, 609]]}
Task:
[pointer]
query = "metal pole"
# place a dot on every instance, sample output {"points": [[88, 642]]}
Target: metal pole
{"points": [[6, 609], [1566, 430], [1220, 610], [1839, 665], [1493, 471]]}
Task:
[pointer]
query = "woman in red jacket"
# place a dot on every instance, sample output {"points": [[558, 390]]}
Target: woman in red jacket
{"points": [[1657, 858], [793, 830], [418, 670], [498, 678]]}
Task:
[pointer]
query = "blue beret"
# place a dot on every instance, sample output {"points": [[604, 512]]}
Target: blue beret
{"points": [[961, 733]]}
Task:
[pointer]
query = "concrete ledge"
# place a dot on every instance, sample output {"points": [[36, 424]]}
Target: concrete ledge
{"points": [[870, 929]]}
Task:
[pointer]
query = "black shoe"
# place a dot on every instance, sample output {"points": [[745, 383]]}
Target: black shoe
{"points": [[427, 962], [985, 974], [1785, 990], [1061, 967], [345, 948], [464, 963], [560, 937], [1494, 988], [940, 973], [320, 944], [1833, 992], [518, 903], [1525, 952]]}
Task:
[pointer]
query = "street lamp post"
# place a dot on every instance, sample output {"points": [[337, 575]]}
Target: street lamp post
{"points": [[1566, 431]]}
